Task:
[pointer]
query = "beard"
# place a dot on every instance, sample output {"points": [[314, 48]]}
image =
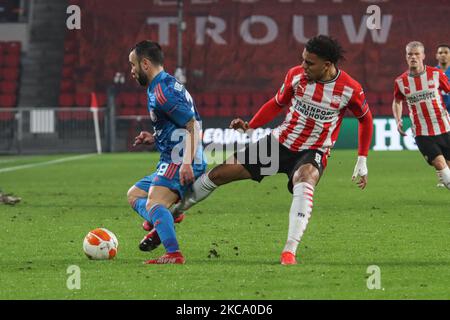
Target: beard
{"points": [[142, 78]]}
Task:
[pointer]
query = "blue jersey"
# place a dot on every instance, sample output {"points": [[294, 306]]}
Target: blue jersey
{"points": [[171, 106], [446, 96]]}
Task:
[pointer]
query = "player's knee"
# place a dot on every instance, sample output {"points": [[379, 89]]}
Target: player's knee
{"points": [[439, 163], [152, 202], [216, 176], [306, 173], [226, 173], [131, 197]]}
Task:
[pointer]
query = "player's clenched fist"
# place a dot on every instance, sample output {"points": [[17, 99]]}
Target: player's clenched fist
{"points": [[361, 172], [186, 174], [144, 137], [239, 124]]}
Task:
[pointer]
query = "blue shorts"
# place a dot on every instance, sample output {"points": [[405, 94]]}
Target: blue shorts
{"points": [[168, 175]]}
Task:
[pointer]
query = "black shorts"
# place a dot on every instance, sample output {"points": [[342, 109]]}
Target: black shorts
{"points": [[260, 159], [433, 146]]}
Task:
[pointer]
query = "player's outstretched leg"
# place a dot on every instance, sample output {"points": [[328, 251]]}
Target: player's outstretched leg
{"points": [[304, 181], [201, 189], [208, 182], [439, 184], [442, 169]]}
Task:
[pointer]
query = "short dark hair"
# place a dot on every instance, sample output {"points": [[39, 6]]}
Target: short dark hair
{"points": [[443, 45], [150, 50], [326, 48]]}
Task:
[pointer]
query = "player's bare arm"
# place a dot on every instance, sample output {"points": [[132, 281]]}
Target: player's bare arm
{"points": [[397, 108], [361, 171], [365, 131], [192, 138]]}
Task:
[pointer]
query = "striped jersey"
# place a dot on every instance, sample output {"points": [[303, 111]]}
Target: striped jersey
{"points": [[422, 92], [316, 109]]}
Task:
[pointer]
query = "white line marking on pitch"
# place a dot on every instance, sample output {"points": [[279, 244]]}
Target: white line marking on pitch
{"points": [[32, 165]]}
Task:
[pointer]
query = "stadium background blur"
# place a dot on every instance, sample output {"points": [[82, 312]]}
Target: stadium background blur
{"points": [[233, 55]]}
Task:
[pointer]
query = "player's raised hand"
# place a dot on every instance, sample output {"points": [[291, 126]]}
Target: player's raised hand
{"points": [[144, 137], [186, 174], [361, 172], [239, 124], [400, 128]]}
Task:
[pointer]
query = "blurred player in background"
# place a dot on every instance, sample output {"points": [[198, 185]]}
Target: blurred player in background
{"points": [[317, 94], [421, 87], [174, 120], [443, 58]]}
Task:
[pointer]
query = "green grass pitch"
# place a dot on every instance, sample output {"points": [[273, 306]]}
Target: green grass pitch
{"points": [[400, 223]]}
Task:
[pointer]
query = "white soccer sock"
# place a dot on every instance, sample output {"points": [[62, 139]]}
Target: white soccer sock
{"points": [[201, 189], [444, 176], [439, 176], [299, 214]]}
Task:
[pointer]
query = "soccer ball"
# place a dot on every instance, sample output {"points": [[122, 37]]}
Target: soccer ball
{"points": [[100, 244]]}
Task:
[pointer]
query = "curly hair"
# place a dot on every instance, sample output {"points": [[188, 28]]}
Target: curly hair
{"points": [[326, 48]]}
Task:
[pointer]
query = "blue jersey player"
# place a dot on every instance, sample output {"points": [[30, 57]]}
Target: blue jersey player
{"points": [[177, 137], [443, 58]]}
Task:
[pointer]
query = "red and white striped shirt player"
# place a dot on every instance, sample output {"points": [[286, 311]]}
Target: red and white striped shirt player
{"points": [[422, 93], [316, 109], [421, 87], [315, 95]]}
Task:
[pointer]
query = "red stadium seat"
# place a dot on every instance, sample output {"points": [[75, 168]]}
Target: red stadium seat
{"points": [[64, 115], [210, 104], [6, 115], [130, 99], [141, 110], [13, 47], [198, 102], [386, 98], [243, 108], [3, 46], [372, 99], [384, 110], [70, 46], [226, 105], [8, 87], [66, 100], [226, 99], [143, 100], [210, 99], [69, 59], [102, 99], [67, 72], [67, 86], [82, 99], [80, 114], [11, 61], [10, 74], [8, 100], [257, 100], [127, 111], [119, 99]]}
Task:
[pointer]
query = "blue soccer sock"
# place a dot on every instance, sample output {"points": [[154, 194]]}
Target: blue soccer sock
{"points": [[140, 207], [162, 219]]}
